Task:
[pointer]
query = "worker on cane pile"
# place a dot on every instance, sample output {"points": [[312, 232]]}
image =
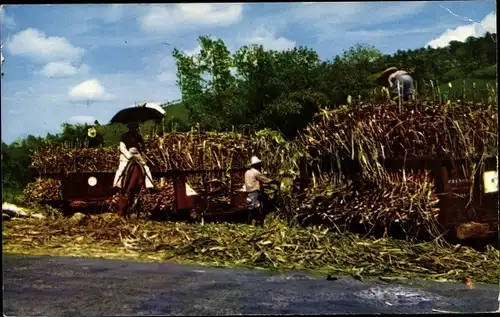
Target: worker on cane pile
{"points": [[399, 82], [131, 145], [253, 180]]}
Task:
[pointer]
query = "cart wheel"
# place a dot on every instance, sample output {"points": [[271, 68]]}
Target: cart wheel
{"points": [[67, 209], [157, 215]]}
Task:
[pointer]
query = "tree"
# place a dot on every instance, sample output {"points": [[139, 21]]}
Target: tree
{"points": [[207, 85], [249, 88]]}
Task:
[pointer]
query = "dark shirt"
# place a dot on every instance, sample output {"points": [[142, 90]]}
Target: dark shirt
{"points": [[133, 139]]}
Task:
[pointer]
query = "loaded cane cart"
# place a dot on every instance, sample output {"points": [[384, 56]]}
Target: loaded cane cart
{"points": [[466, 188], [94, 190], [468, 195]]}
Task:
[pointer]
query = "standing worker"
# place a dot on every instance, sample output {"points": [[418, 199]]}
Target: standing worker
{"points": [[253, 180], [400, 83], [131, 145]]}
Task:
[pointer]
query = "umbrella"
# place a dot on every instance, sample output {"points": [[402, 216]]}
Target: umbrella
{"points": [[137, 114], [153, 106]]}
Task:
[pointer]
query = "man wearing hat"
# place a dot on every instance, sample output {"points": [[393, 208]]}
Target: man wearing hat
{"points": [[399, 82], [253, 180], [131, 145]]}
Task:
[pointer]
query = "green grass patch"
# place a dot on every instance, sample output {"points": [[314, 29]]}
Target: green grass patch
{"points": [[469, 89], [15, 197], [177, 111]]}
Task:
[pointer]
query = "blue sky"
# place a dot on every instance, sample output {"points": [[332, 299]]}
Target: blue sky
{"points": [[72, 63]]}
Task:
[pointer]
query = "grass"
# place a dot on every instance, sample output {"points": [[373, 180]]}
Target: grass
{"points": [[177, 111], [15, 197], [274, 246], [457, 86]]}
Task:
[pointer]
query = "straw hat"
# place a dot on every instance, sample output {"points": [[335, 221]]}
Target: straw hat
{"points": [[383, 76], [255, 160], [389, 71]]}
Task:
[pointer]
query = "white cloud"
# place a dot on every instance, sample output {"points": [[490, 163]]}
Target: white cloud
{"points": [[461, 33], [269, 41], [89, 90], [6, 20], [82, 120], [169, 77], [194, 51], [234, 71], [63, 69], [168, 18], [35, 44]]}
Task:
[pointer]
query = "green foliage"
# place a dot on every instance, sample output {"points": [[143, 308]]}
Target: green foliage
{"points": [[15, 162], [489, 72], [254, 88]]}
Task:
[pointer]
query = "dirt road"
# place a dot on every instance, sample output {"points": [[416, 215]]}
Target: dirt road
{"points": [[64, 286]]}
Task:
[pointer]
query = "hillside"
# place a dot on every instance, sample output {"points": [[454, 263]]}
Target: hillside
{"points": [[479, 84], [176, 111]]}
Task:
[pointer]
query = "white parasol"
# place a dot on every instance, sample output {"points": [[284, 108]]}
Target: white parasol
{"points": [[152, 105]]}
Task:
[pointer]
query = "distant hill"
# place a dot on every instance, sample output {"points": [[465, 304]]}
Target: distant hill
{"points": [[176, 111], [483, 79]]}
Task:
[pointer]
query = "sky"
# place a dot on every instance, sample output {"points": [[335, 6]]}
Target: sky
{"points": [[77, 63]]}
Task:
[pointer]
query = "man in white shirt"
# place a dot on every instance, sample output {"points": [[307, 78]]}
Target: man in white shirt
{"points": [[253, 180], [131, 144]]}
